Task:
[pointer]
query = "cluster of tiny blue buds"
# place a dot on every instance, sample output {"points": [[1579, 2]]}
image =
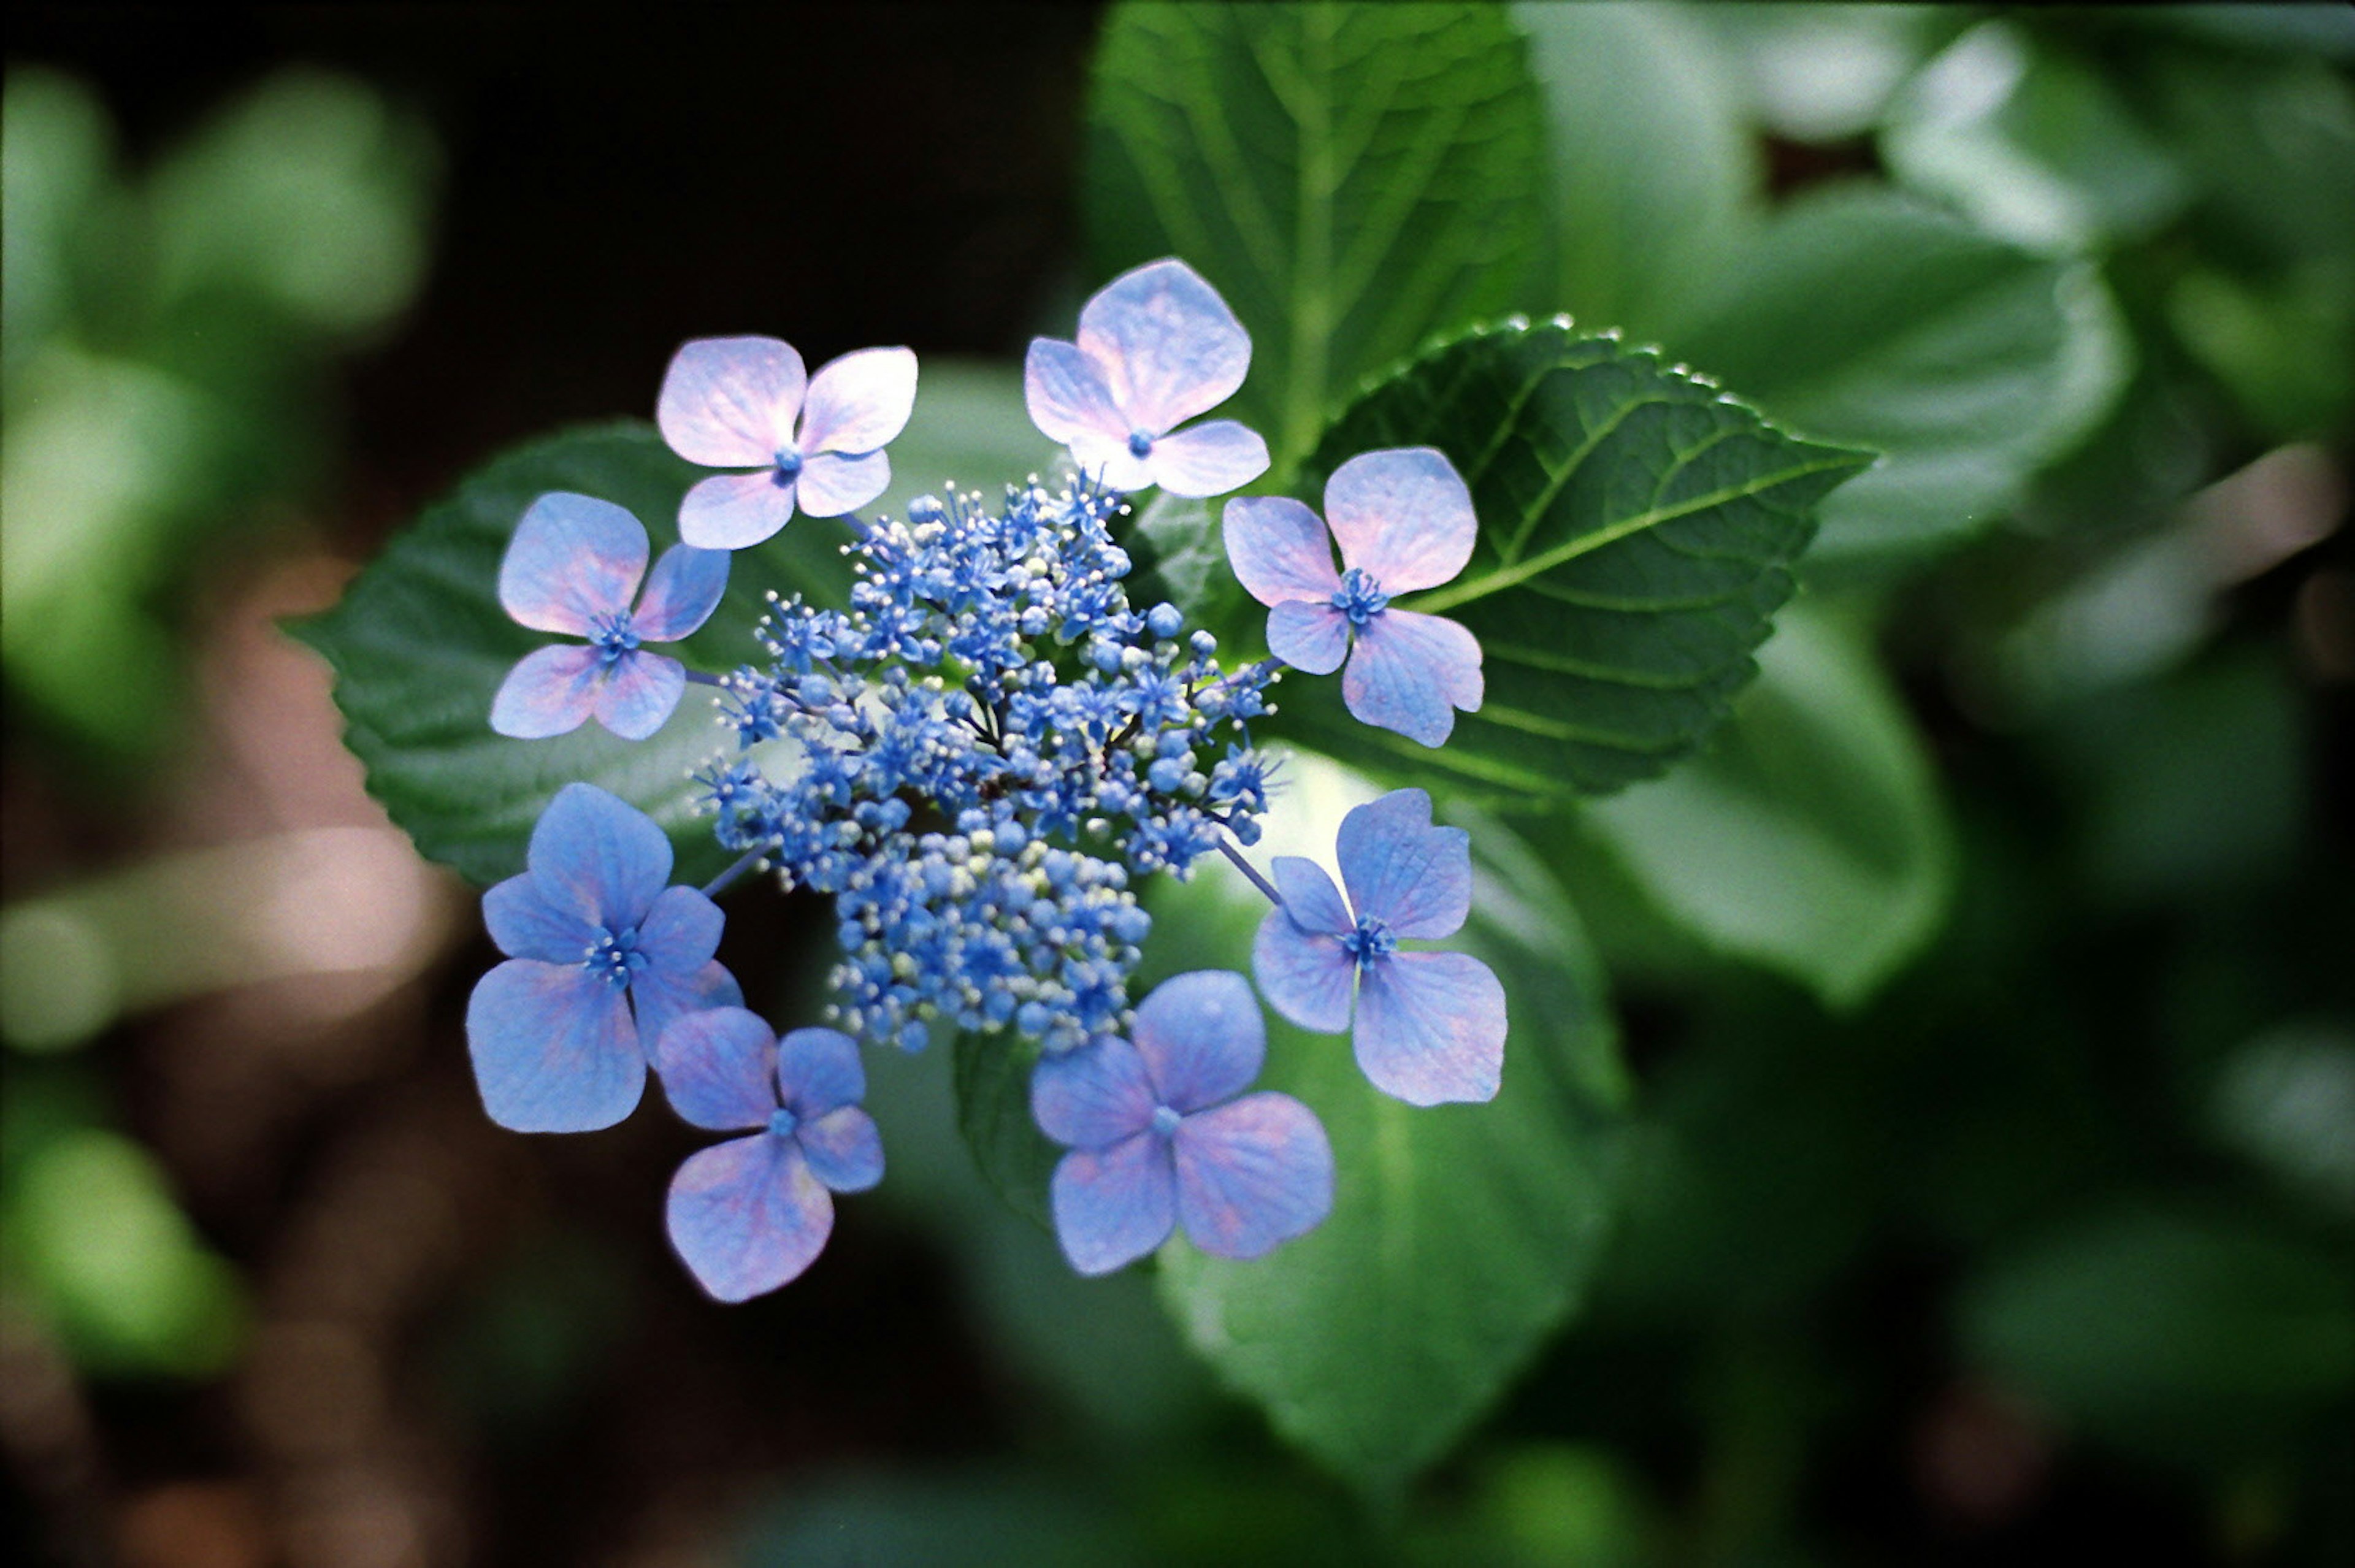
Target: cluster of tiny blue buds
{"points": [[986, 751]]}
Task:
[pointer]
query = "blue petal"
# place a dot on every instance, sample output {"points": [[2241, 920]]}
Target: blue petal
{"points": [[858, 403], [819, 1069], [550, 691], [664, 995], [1402, 517], [573, 558], [735, 511], [1404, 871], [1279, 549], [1410, 672], [833, 483], [1067, 394], [599, 857], [844, 1148], [1201, 1037], [1431, 1028], [1208, 459], [1168, 345], [1311, 637], [685, 587], [681, 931], [730, 402], [553, 1048], [525, 925], [1108, 461], [1252, 1173], [715, 1067], [640, 694], [748, 1216], [1310, 897], [1305, 976], [1094, 1096], [1115, 1205]]}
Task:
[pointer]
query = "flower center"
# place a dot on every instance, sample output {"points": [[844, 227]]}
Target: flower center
{"points": [[1360, 597], [1139, 443], [1164, 1120], [613, 635], [789, 464], [614, 955], [782, 1122], [1372, 942]]}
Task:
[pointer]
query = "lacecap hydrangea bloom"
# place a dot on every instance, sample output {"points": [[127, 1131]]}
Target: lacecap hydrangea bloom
{"points": [[982, 757]]}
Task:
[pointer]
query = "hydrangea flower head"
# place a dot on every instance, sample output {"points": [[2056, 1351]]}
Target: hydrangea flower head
{"points": [[751, 1214], [1158, 1136], [573, 566], [1429, 1026], [603, 956], [1157, 347], [1403, 519], [815, 441]]}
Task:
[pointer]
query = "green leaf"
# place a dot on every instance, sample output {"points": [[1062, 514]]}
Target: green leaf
{"points": [[1863, 316], [1636, 531], [993, 1113], [1808, 837], [1461, 1235], [1352, 179]]}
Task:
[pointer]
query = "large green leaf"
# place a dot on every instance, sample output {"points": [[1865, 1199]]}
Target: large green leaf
{"points": [[1461, 1235], [993, 1113], [1864, 316], [419, 643], [1636, 531], [1808, 836], [1353, 178]]}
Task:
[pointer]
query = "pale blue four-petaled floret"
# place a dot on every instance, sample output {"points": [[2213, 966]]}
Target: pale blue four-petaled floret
{"points": [[573, 568], [1428, 1028], [603, 956], [812, 441], [1403, 520], [1161, 1133], [751, 1214], [1156, 348]]}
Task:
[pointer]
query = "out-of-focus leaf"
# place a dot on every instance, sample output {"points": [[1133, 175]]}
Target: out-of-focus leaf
{"points": [[993, 1094], [56, 148], [2284, 350], [1654, 169], [1352, 179], [1638, 528], [975, 1519], [2272, 144], [1863, 316], [1808, 836], [972, 429], [1825, 72], [1461, 1235], [2287, 1100]]}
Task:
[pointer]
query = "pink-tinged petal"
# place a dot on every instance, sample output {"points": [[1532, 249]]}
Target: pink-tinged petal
{"points": [[1115, 1205], [685, 589], [831, 483], [1202, 1039], [844, 1150], [1279, 549], [1402, 870], [1306, 975], [1431, 1028], [1166, 343], [748, 1216], [681, 931], [574, 559], [1252, 1173], [1208, 459], [553, 1048], [818, 1071], [730, 402], [640, 693], [735, 511], [1068, 396], [1094, 1096], [1110, 463], [1410, 672], [1311, 637], [1310, 897], [599, 856], [1404, 517], [715, 1067], [525, 925], [859, 402], [663, 996], [550, 691]]}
